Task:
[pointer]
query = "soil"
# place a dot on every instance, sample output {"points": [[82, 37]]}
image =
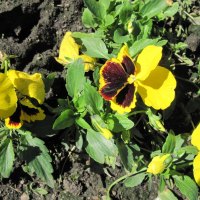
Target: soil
{"points": [[32, 31]]}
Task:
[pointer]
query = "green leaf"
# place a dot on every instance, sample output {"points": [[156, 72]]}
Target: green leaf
{"points": [[162, 183], [36, 155], [126, 155], [96, 76], [126, 136], [87, 35], [170, 143], [82, 123], [188, 150], [93, 99], [106, 3], [172, 10], [80, 104], [6, 157], [3, 133], [134, 180], [166, 195], [88, 19], [66, 119], [75, 78], [180, 140], [95, 48], [98, 9], [48, 81], [119, 36], [98, 146], [41, 191], [153, 7], [109, 19], [126, 12], [118, 123], [186, 186]]}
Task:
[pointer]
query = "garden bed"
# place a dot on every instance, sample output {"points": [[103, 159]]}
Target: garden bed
{"points": [[32, 31]]}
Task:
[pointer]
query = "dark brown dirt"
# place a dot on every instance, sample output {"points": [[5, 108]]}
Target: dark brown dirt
{"points": [[32, 30]]}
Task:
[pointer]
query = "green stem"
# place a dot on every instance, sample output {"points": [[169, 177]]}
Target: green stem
{"points": [[182, 165], [136, 112], [190, 16], [119, 180]]}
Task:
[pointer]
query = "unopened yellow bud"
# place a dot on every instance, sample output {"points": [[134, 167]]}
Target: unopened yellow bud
{"points": [[158, 164]]}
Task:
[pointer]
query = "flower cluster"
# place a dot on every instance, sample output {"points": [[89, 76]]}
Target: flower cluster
{"points": [[18, 91]]}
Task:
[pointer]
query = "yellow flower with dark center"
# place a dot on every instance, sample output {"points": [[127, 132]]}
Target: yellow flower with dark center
{"points": [[195, 140], [16, 88], [121, 78], [69, 50], [158, 164]]}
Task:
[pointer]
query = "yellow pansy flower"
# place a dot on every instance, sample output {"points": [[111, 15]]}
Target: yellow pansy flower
{"points": [[195, 140], [158, 164], [8, 97], [121, 78], [17, 88], [69, 50], [27, 84]]}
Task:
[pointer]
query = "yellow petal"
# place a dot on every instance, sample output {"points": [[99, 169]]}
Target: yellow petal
{"points": [[89, 62], [8, 97], [68, 48], [157, 90], [13, 125], [31, 113], [123, 52], [195, 138], [28, 85], [196, 168], [147, 61], [158, 164]]}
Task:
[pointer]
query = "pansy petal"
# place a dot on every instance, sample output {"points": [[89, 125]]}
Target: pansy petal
{"points": [[14, 121], [31, 113], [112, 72], [112, 78], [28, 85], [157, 90], [68, 49], [8, 97], [109, 90], [125, 100], [195, 138], [196, 168], [147, 61], [125, 60], [88, 62]]}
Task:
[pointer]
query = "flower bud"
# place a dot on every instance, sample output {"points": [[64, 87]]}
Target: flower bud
{"points": [[159, 163]]}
